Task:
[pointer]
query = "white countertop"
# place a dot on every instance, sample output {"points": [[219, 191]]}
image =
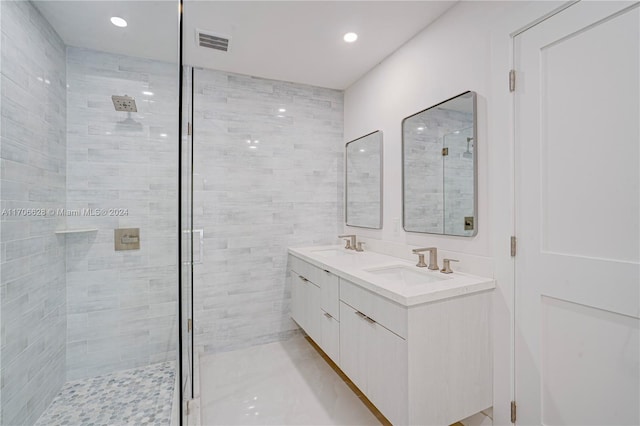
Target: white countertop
{"points": [[353, 265]]}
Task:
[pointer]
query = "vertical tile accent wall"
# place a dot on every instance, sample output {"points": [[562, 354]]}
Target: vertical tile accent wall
{"points": [[33, 163], [268, 175], [121, 304]]}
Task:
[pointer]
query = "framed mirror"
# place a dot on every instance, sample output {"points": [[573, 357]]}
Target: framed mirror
{"points": [[439, 168], [363, 181]]}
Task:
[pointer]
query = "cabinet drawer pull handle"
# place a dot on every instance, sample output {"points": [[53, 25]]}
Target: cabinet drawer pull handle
{"points": [[360, 314], [327, 271], [303, 278], [327, 315], [370, 320]]}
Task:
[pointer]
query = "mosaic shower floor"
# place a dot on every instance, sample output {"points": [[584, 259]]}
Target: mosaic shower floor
{"points": [[141, 396]]}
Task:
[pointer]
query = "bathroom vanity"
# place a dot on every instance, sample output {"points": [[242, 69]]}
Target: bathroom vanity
{"points": [[417, 343]]}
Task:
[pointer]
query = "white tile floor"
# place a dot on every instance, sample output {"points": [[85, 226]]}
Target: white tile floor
{"points": [[282, 383]]}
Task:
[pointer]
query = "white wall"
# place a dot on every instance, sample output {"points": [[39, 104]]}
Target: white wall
{"points": [[468, 48], [448, 58]]}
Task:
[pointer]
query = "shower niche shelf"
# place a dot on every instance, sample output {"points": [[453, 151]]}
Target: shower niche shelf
{"points": [[75, 231]]}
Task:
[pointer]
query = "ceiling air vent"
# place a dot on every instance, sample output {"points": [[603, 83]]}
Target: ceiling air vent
{"points": [[212, 40]]}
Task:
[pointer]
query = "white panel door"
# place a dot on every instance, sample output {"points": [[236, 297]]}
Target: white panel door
{"points": [[578, 217]]}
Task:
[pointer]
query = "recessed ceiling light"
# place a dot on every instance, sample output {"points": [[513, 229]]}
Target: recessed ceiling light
{"points": [[118, 22], [147, 93], [420, 129], [163, 135], [361, 149], [282, 110], [253, 147], [350, 37]]}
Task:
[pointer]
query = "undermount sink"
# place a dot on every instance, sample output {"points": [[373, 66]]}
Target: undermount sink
{"points": [[331, 253], [407, 275]]}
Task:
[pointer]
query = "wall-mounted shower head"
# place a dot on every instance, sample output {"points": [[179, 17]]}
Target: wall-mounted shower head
{"points": [[124, 103]]}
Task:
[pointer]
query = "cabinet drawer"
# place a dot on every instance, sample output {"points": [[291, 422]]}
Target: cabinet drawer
{"points": [[331, 337], [298, 266], [328, 283], [385, 312], [306, 270]]}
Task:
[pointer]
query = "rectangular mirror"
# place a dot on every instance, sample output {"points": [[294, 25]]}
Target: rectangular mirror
{"points": [[439, 168], [364, 181]]}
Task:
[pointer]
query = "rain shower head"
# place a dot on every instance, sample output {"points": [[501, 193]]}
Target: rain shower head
{"points": [[124, 103]]}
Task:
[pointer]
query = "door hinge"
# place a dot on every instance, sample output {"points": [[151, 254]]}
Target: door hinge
{"points": [[513, 246], [445, 151], [189, 324], [189, 129], [513, 412], [512, 81]]}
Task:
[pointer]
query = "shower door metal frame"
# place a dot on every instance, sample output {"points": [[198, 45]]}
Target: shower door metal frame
{"points": [[186, 243], [185, 364]]}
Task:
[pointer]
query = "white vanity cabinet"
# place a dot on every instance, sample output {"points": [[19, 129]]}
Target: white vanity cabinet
{"points": [[315, 305], [426, 363]]}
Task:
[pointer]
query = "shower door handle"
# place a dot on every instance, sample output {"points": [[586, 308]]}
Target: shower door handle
{"points": [[200, 233]]}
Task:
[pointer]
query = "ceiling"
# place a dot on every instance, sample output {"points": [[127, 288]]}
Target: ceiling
{"points": [[152, 31], [301, 41], [298, 41]]}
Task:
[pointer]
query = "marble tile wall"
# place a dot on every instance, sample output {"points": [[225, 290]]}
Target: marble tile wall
{"points": [[33, 164], [423, 179], [121, 304], [268, 175]]}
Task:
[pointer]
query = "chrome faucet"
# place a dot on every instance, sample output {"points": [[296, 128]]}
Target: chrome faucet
{"points": [[351, 244], [433, 258]]}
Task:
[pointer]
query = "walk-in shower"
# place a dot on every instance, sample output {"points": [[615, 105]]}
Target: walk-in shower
{"points": [[89, 149]]}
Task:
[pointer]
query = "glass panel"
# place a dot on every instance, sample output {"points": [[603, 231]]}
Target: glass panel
{"points": [[363, 181], [458, 182], [89, 236], [268, 175]]}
